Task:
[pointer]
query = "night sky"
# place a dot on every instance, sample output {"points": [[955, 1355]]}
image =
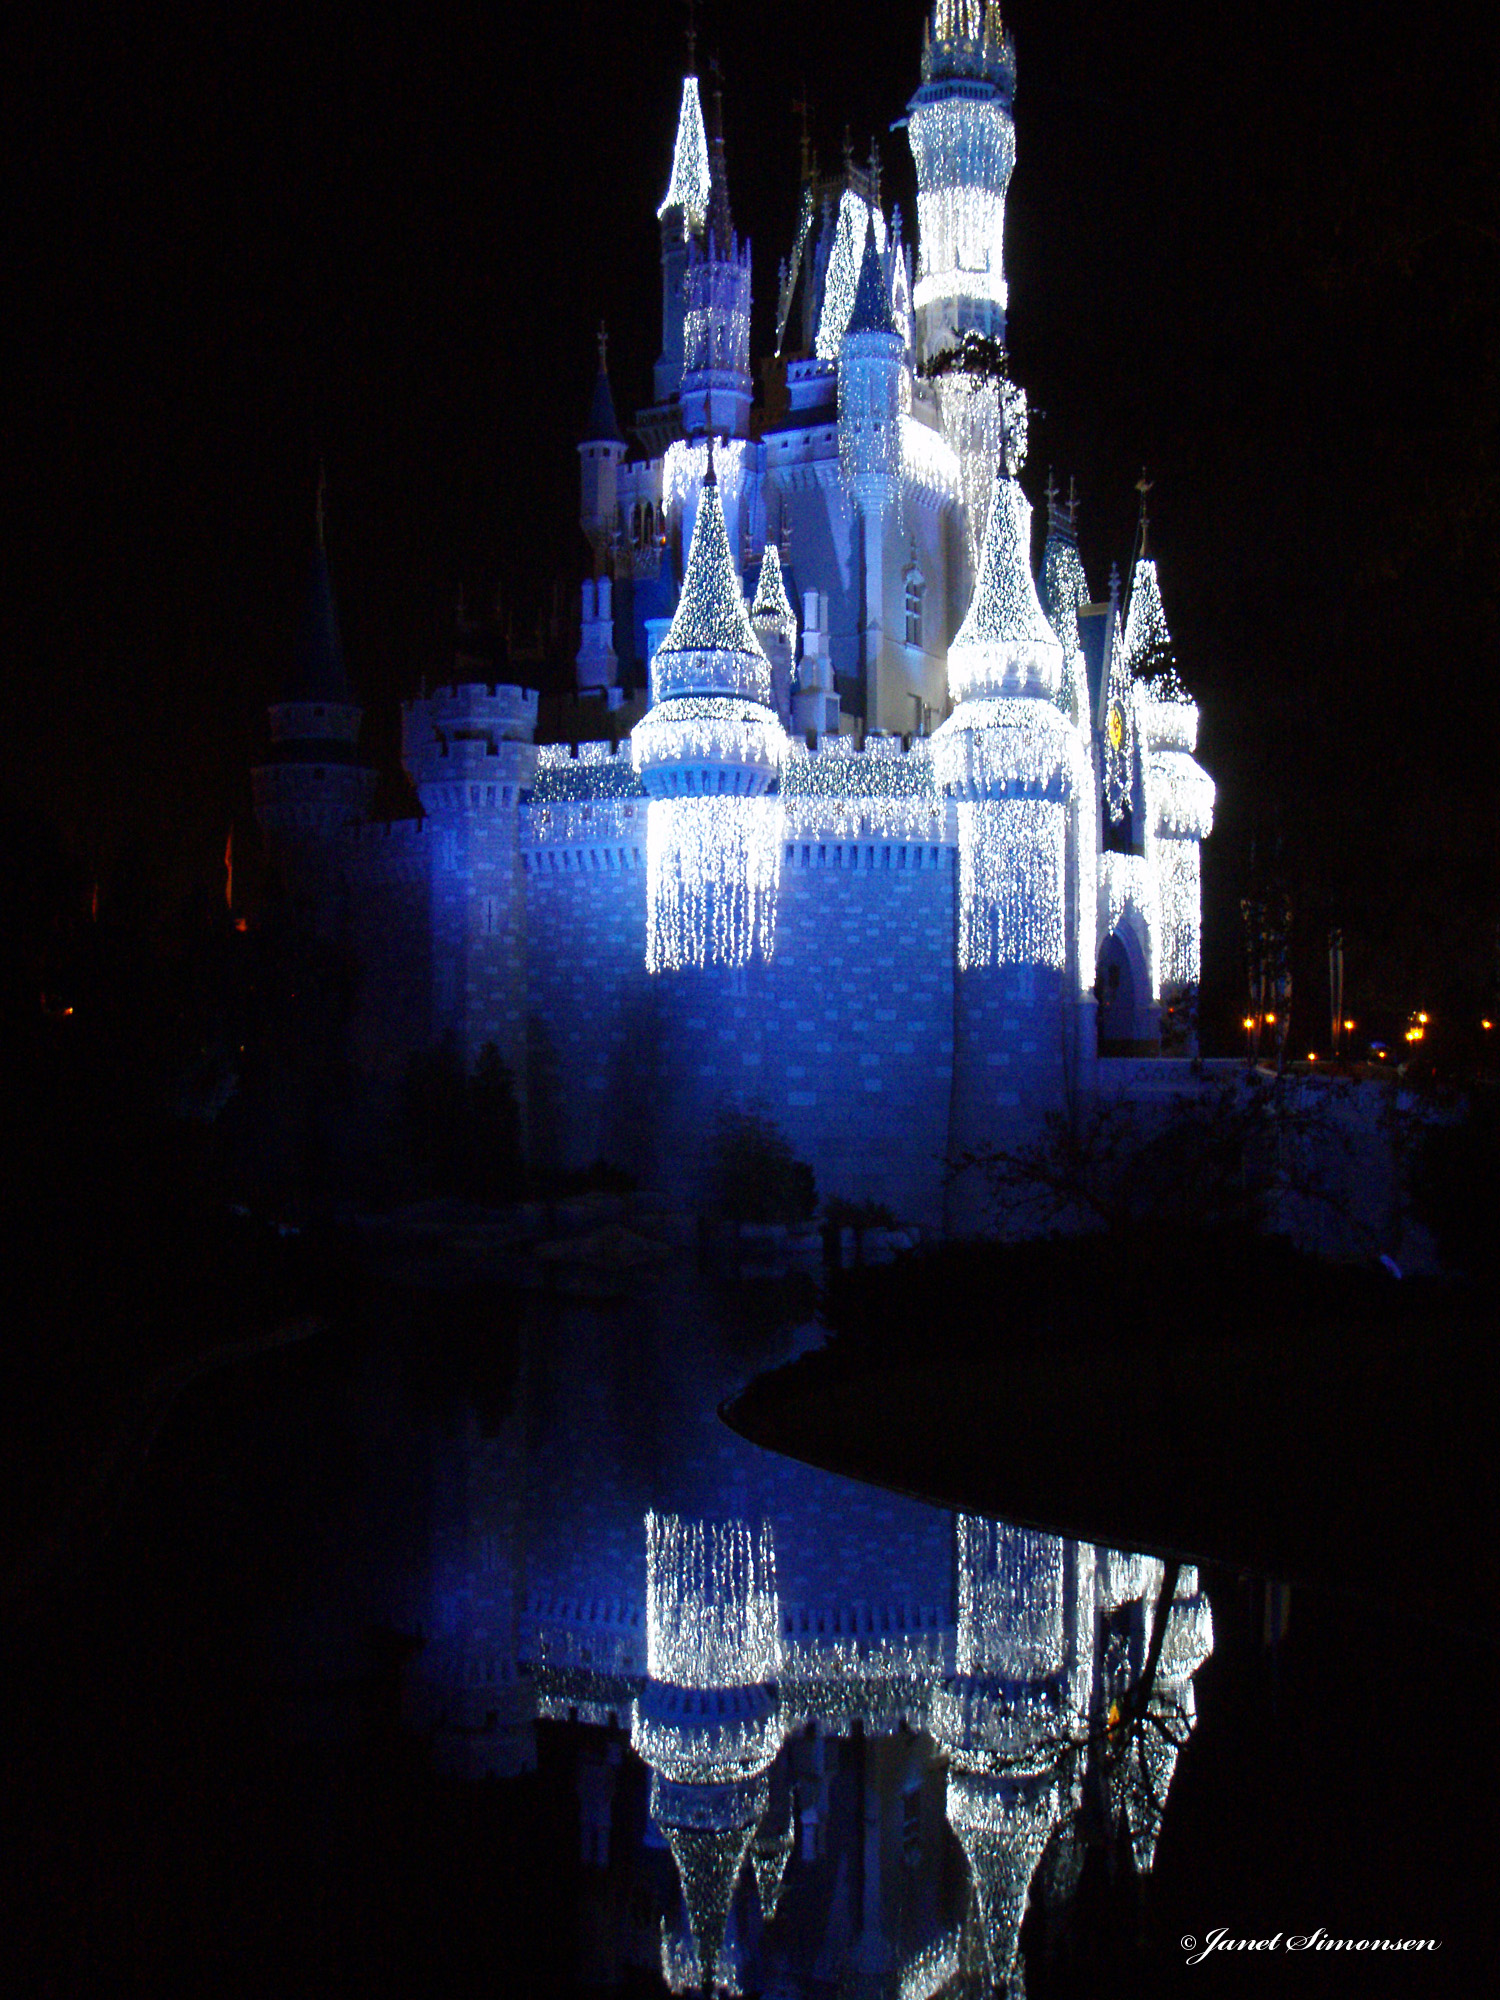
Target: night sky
{"points": [[1257, 256]]}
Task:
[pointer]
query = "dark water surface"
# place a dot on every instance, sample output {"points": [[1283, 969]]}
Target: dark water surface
{"points": [[366, 1688]]}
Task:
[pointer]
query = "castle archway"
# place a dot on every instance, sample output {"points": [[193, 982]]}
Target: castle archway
{"points": [[1123, 988]]}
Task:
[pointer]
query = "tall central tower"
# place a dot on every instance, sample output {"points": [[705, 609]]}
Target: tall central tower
{"points": [[963, 140]]}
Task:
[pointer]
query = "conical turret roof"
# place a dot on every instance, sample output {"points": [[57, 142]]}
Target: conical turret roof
{"points": [[317, 673], [1005, 645], [1149, 652], [711, 647], [872, 300], [603, 425], [772, 606], [688, 188], [1064, 588]]}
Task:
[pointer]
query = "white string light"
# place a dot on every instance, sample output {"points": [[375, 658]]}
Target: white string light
{"points": [[1179, 867], [710, 647], [1064, 592], [710, 742], [772, 606], [842, 278], [684, 466], [1010, 1600], [1008, 744], [1148, 643], [1005, 645], [1182, 793], [965, 150], [874, 793], [716, 319], [1002, 1830], [688, 189], [713, 870], [712, 1618], [969, 406], [929, 464], [1011, 876]]}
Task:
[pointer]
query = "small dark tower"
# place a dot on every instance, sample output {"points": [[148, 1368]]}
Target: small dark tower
{"points": [[601, 450], [312, 783]]}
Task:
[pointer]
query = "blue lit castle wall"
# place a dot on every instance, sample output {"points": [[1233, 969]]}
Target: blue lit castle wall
{"points": [[470, 754], [901, 838]]}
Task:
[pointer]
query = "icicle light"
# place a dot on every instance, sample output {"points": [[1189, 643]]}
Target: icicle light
{"points": [[1179, 868], [713, 869], [965, 151], [705, 1736], [1182, 793], [929, 465], [685, 465], [712, 1618], [1064, 592], [970, 408], [1011, 882], [1169, 720], [848, 794], [1008, 744], [1010, 1600]]}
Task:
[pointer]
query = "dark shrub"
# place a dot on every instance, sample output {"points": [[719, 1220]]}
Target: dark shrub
{"points": [[754, 1174]]}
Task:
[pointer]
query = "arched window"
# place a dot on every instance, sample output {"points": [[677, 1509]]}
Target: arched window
{"points": [[915, 591]]}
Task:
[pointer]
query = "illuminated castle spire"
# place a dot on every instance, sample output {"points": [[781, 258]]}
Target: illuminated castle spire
{"points": [[707, 752], [682, 214], [687, 190], [871, 359], [1064, 591], [717, 388], [1178, 808], [1149, 652], [775, 625], [707, 1721], [1005, 645], [964, 143], [710, 647]]}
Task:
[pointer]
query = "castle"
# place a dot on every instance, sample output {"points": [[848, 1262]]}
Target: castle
{"points": [[883, 837]]}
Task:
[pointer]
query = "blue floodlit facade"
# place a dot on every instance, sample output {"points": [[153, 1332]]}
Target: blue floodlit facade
{"points": [[887, 836]]}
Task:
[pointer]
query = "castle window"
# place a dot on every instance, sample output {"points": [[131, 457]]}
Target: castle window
{"points": [[916, 589]]}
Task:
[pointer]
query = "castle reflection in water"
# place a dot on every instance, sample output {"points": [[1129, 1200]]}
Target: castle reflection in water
{"points": [[834, 1735]]}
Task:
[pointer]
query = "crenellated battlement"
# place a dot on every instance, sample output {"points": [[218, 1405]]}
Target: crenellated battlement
{"points": [[490, 711], [468, 747]]}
